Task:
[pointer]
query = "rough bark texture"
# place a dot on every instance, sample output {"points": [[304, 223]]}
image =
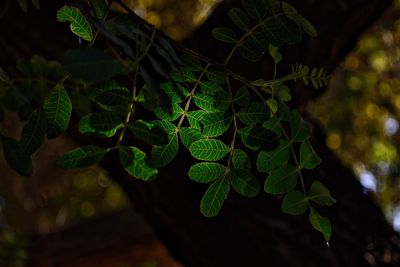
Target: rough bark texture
{"points": [[254, 232]]}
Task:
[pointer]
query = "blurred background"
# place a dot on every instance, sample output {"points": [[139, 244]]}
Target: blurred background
{"points": [[360, 112]]}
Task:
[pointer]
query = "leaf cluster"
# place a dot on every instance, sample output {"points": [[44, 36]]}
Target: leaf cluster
{"points": [[191, 103]]}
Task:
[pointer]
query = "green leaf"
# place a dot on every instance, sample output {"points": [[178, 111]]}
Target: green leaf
{"points": [[294, 203], [148, 132], [244, 183], [99, 8], [136, 163], [80, 157], [190, 62], [257, 137], [183, 75], [215, 124], [79, 24], [109, 94], [207, 172], [225, 35], [189, 135], [194, 118], [273, 105], [281, 30], [242, 97], [103, 124], [240, 19], [303, 23], [209, 149], [269, 160], [253, 114], [170, 115], [308, 158], [273, 124], [163, 155], [216, 76], [222, 100], [281, 180], [252, 48], [209, 87], [240, 160], [283, 92], [300, 130], [176, 92], [320, 194], [257, 9], [167, 126], [274, 52], [214, 197], [17, 159], [205, 102], [58, 108], [90, 64], [33, 133], [320, 223]]}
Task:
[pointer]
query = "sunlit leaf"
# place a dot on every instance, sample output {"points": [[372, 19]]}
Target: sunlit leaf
{"points": [[79, 24], [294, 203], [209, 149], [194, 118], [189, 135], [214, 197], [58, 108], [320, 194], [136, 163], [281, 180], [215, 124], [206, 172], [205, 102], [308, 158], [80, 157]]}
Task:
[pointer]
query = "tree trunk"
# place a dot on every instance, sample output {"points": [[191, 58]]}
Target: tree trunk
{"points": [[253, 232]]}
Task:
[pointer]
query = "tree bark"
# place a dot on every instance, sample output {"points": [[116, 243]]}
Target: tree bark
{"points": [[252, 232]]}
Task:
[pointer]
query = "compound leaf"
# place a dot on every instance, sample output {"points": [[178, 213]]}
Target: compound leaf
{"points": [[215, 124], [225, 35], [253, 114], [244, 182]]}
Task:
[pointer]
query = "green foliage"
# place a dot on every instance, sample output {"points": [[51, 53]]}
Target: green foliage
{"points": [[58, 108], [79, 24], [119, 94]]}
